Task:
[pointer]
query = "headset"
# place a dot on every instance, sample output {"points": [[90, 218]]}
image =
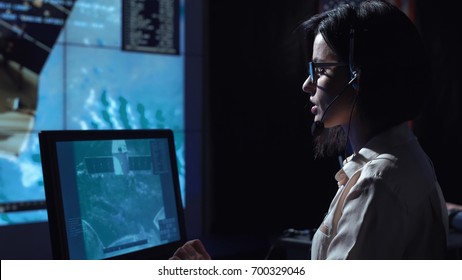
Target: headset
{"points": [[354, 72], [318, 126]]}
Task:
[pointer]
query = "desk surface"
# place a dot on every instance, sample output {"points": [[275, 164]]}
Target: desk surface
{"points": [[298, 247]]}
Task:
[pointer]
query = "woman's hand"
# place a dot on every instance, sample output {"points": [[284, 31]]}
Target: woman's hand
{"points": [[191, 250]]}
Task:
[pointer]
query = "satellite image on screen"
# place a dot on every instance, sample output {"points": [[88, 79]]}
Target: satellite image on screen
{"points": [[120, 204]]}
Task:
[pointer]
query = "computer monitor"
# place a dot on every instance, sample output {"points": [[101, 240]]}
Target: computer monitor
{"points": [[112, 194]]}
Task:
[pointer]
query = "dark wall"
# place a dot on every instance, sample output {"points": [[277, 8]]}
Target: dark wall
{"points": [[262, 174], [25, 242], [439, 130], [263, 178]]}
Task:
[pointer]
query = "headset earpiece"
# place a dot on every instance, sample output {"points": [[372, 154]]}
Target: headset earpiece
{"points": [[354, 82], [354, 78], [354, 72]]}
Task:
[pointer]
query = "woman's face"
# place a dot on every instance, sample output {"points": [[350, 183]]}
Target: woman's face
{"points": [[329, 81]]}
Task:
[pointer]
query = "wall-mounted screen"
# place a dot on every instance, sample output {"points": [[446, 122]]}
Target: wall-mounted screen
{"points": [[63, 66]]}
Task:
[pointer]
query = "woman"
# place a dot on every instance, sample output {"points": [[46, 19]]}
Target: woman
{"points": [[368, 78]]}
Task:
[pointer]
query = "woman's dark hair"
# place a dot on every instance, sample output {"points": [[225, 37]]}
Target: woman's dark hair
{"points": [[388, 53]]}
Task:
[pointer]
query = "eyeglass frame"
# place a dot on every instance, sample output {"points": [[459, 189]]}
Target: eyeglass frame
{"points": [[312, 65]]}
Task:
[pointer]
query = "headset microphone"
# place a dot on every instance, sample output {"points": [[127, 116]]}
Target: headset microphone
{"points": [[318, 126]]}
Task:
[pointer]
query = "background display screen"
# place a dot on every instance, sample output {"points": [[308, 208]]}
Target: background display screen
{"points": [[64, 65]]}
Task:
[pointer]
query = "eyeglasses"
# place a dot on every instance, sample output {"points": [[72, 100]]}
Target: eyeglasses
{"points": [[314, 66]]}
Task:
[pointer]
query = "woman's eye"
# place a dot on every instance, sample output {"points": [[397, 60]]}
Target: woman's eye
{"points": [[321, 71]]}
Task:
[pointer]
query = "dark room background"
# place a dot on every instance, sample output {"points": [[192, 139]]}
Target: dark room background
{"points": [[262, 174]]}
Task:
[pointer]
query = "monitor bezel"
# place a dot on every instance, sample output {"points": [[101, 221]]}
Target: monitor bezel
{"points": [[52, 186]]}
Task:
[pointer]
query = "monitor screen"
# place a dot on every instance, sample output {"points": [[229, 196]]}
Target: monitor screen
{"points": [[112, 193]]}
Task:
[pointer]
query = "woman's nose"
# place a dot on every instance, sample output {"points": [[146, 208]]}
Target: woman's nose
{"points": [[308, 86]]}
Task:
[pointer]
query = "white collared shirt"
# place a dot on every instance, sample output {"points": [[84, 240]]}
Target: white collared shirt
{"points": [[389, 204]]}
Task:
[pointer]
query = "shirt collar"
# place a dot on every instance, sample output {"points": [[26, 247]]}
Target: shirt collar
{"points": [[379, 144]]}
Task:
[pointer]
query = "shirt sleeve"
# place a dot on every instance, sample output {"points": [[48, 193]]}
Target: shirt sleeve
{"points": [[371, 224]]}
